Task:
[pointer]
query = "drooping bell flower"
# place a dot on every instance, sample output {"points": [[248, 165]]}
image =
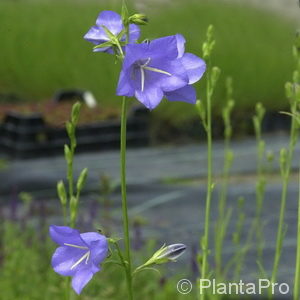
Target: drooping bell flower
{"points": [[112, 22], [78, 255]]}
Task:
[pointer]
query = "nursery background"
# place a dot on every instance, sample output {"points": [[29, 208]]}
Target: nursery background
{"points": [[46, 66]]}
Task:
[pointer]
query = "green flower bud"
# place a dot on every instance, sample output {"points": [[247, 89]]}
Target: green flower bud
{"points": [[82, 179], [75, 112], [215, 74], [138, 19], [296, 77], [70, 129], [260, 110], [210, 32], [68, 155], [61, 191], [289, 90]]}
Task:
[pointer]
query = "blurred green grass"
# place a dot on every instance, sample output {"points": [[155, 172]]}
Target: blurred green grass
{"points": [[42, 50]]}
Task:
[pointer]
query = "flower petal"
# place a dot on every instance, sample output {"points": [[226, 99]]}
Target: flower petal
{"points": [[134, 33], [64, 258], [81, 279], [150, 97], [63, 234], [111, 20], [180, 44], [185, 94], [124, 87], [178, 78], [194, 66], [98, 246], [96, 35], [134, 52], [164, 47]]}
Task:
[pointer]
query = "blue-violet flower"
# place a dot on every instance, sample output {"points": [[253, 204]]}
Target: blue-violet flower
{"points": [[113, 22], [158, 69], [79, 255]]}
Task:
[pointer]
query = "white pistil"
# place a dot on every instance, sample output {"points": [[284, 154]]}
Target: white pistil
{"points": [[76, 246], [144, 67], [85, 257]]}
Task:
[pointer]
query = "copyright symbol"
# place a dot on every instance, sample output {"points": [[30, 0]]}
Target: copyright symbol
{"points": [[184, 286]]}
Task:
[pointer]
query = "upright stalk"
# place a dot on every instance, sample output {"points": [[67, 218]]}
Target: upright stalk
{"points": [[212, 75], [124, 199], [209, 181], [261, 180], [297, 271], [224, 213], [286, 160]]}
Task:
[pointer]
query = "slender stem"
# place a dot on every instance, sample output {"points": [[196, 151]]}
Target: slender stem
{"points": [[71, 182], [124, 199], [286, 176], [209, 183], [221, 226], [297, 271]]}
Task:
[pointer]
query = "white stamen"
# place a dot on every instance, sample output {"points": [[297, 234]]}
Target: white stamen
{"points": [[85, 257], [146, 63], [144, 67], [75, 246], [157, 70], [142, 78]]}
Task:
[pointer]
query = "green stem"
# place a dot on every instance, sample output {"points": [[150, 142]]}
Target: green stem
{"points": [[209, 183], [71, 183], [286, 176], [297, 271], [124, 198], [221, 226]]}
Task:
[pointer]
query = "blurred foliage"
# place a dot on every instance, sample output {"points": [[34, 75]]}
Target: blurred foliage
{"points": [[42, 50]]}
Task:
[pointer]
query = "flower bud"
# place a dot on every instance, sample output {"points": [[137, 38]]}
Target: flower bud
{"points": [[61, 191], [75, 112], [68, 154], [169, 253], [296, 76], [289, 90], [260, 110], [70, 129], [138, 19], [165, 254], [210, 32], [215, 74], [283, 158], [82, 179]]}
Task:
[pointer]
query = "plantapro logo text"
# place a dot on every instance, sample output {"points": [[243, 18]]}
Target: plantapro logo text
{"points": [[263, 286]]}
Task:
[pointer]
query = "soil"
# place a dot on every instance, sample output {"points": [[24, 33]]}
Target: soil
{"points": [[56, 114]]}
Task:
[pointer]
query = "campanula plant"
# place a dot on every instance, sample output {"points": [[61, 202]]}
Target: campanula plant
{"points": [[150, 71]]}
